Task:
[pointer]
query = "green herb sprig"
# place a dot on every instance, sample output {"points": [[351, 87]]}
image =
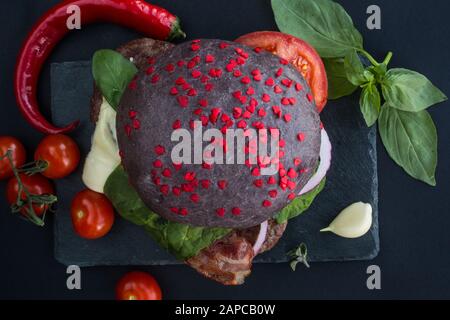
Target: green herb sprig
{"points": [[299, 255], [395, 98]]}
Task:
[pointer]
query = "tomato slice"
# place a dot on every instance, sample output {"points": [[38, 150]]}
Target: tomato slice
{"points": [[299, 53]]}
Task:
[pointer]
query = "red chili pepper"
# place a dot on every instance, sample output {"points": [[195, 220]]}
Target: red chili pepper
{"points": [[139, 15]]}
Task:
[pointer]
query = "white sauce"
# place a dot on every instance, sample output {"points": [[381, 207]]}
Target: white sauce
{"points": [[104, 155], [353, 222]]}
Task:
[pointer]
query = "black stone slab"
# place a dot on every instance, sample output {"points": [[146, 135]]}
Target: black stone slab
{"points": [[352, 177]]}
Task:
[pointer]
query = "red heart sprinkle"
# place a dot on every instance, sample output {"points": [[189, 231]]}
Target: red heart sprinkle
{"points": [[236, 211]]}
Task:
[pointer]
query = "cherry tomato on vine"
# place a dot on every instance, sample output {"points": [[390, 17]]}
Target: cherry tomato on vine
{"points": [[299, 53], [92, 214], [60, 155], [138, 285], [17, 152], [36, 185]]}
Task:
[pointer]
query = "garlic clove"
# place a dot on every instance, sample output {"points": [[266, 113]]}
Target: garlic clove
{"points": [[353, 222]]}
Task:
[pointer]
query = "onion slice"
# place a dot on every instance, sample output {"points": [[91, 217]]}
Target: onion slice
{"points": [[261, 237], [324, 165]]}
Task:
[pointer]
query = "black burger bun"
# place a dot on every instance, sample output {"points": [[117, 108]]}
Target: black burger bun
{"points": [[224, 85], [138, 51]]}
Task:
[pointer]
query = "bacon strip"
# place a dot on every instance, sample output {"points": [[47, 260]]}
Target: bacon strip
{"points": [[229, 260]]}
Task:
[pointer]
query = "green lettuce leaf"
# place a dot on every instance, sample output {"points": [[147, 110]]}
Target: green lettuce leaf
{"points": [[299, 204], [182, 240], [112, 73]]}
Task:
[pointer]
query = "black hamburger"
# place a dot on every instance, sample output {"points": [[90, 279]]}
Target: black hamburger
{"points": [[214, 216]]}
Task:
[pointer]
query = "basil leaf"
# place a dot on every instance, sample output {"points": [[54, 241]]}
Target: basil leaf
{"points": [[370, 103], [411, 141], [182, 240], [112, 73], [299, 204], [338, 84], [322, 23], [408, 90], [354, 69]]}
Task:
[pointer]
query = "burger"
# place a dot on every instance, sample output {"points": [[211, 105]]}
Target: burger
{"points": [[162, 153]]}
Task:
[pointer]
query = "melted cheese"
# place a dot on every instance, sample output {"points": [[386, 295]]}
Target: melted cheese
{"points": [[104, 155]]}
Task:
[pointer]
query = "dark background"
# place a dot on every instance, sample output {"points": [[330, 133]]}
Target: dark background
{"points": [[414, 218]]}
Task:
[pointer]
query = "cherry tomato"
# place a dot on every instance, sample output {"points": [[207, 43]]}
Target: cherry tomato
{"points": [[299, 53], [92, 214], [138, 286], [35, 184], [61, 154], [18, 155]]}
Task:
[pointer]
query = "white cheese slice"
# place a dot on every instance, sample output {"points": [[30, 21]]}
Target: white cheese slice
{"points": [[104, 155]]}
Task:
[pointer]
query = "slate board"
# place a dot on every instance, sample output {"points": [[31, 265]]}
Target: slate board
{"points": [[352, 178]]}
